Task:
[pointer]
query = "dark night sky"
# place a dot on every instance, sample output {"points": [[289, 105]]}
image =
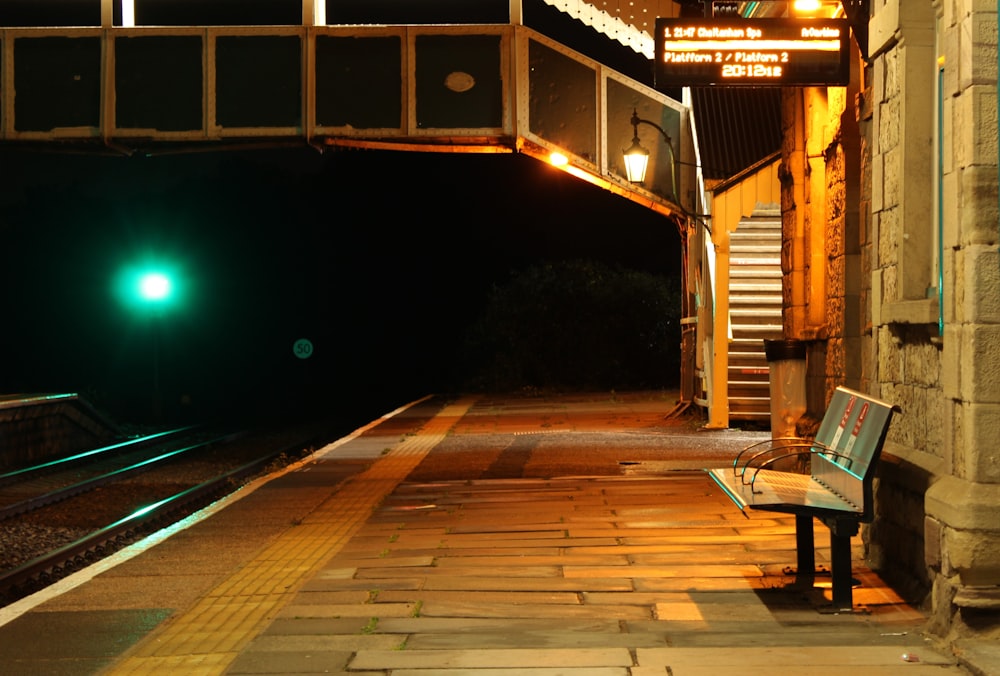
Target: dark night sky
{"points": [[379, 258]]}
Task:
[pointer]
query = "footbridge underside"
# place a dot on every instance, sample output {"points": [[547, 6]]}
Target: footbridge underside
{"points": [[468, 88]]}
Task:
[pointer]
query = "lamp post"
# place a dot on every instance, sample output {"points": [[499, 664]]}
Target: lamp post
{"points": [[636, 162]]}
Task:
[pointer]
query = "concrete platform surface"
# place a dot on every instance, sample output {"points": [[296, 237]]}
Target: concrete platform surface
{"points": [[536, 536]]}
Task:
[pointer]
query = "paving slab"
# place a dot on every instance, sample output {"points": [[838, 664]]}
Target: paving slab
{"points": [[795, 658], [519, 671], [519, 658]]}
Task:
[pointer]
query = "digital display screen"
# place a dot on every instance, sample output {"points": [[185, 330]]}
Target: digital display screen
{"points": [[759, 52]]}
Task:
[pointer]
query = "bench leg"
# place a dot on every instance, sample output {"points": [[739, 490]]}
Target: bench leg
{"points": [[840, 564], [805, 548], [841, 532]]}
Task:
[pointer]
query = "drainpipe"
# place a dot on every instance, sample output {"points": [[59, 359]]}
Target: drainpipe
{"points": [[940, 195]]}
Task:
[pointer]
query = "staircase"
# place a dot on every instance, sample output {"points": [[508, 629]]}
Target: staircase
{"points": [[754, 311]]}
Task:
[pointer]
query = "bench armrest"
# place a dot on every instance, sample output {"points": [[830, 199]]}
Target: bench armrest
{"points": [[824, 451], [769, 446]]}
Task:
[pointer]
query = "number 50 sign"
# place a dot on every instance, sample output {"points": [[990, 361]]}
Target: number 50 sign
{"points": [[303, 348]]}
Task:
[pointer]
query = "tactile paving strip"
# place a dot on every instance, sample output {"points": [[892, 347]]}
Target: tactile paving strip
{"points": [[207, 638]]}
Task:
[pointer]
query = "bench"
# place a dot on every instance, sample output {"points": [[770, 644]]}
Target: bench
{"points": [[838, 491]]}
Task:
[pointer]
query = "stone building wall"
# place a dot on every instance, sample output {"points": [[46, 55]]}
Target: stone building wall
{"points": [[935, 309], [890, 219]]}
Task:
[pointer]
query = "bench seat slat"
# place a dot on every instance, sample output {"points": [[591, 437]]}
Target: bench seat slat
{"points": [[781, 491]]}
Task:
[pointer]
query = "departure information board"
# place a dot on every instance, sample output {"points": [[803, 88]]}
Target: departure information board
{"points": [[759, 52]]}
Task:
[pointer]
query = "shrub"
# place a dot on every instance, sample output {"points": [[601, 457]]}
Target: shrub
{"points": [[576, 325]]}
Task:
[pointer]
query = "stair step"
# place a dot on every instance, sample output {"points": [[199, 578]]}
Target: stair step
{"points": [[758, 261], [747, 349], [768, 302], [762, 219], [746, 269], [771, 291], [755, 274], [756, 313], [751, 401], [751, 249], [759, 331]]}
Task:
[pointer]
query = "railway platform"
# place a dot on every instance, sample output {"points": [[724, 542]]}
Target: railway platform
{"points": [[535, 536]]}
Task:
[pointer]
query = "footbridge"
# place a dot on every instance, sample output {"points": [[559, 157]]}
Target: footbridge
{"points": [[499, 87]]}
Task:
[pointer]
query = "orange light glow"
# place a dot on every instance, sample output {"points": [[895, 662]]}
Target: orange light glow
{"points": [[806, 6]]}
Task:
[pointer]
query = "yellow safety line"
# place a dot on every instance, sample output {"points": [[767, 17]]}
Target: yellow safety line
{"points": [[207, 638]]}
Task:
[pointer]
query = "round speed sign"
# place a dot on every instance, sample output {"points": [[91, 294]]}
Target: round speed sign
{"points": [[303, 348]]}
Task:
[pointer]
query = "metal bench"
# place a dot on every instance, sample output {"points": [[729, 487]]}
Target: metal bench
{"points": [[838, 490]]}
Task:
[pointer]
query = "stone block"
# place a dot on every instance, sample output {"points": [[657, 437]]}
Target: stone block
{"points": [[977, 217], [951, 362], [981, 423], [883, 27], [963, 505], [951, 49], [888, 357], [974, 555], [948, 299], [977, 49], [889, 125], [966, 6], [980, 363], [911, 434], [892, 178], [935, 422], [981, 284], [932, 542], [922, 364], [890, 75], [834, 273], [976, 109], [877, 164], [888, 239]]}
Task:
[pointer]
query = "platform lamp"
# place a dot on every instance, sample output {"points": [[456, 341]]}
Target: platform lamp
{"points": [[636, 162], [637, 157]]}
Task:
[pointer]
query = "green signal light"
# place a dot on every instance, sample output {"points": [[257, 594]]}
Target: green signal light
{"points": [[158, 288], [154, 286]]}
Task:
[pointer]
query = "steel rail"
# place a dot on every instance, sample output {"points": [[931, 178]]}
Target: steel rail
{"points": [[59, 494], [34, 575]]}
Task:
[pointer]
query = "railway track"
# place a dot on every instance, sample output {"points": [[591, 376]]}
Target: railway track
{"points": [[30, 488], [58, 519]]}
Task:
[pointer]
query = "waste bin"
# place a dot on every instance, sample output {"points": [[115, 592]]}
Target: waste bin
{"points": [[787, 375]]}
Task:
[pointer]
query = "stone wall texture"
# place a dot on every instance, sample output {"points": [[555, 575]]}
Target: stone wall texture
{"points": [[912, 288], [935, 295]]}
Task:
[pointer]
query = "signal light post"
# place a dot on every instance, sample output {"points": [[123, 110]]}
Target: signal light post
{"points": [[155, 290]]}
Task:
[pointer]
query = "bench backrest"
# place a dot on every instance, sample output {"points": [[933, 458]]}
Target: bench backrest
{"points": [[854, 427]]}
